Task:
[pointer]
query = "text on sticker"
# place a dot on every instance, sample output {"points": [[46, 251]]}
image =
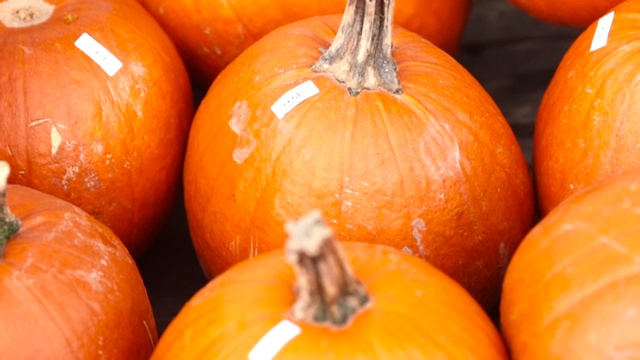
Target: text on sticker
{"points": [[274, 340], [601, 35], [98, 53], [293, 97]]}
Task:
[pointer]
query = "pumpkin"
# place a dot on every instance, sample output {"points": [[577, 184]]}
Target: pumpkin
{"points": [[419, 158], [423, 161], [578, 13], [571, 290], [107, 135], [587, 127], [211, 33], [334, 301], [69, 287]]}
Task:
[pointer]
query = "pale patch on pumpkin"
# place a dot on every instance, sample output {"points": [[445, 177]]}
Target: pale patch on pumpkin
{"points": [[93, 278], [70, 175], [55, 136], [407, 250], [239, 123], [97, 148], [418, 229], [26, 50], [234, 247], [253, 247]]}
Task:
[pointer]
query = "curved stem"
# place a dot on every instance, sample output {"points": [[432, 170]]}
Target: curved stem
{"points": [[360, 55], [9, 223], [327, 291]]}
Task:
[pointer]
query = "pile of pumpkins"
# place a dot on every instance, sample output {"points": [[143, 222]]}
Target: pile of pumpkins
{"points": [[351, 190]]}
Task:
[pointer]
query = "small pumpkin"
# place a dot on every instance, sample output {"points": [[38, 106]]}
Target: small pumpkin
{"points": [[418, 157], [68, 287], [335, 301], [586, 128], [96, 109], [211, 33], [572, 289], [578, 13]]}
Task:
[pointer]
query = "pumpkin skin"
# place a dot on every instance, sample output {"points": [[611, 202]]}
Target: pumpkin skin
{"points": [[112, 145], [210, 34], [437, 316], [434, 171], [69, 288], [579, 13], [571, 290], [586, 128]]}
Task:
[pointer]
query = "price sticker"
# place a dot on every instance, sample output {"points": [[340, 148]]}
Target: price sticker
{"points": [[98, 53], [601, 35]]}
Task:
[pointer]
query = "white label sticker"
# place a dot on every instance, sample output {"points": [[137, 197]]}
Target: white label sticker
{"points": [[274, 340], [98, 53], [294, 97], [601, 35]]}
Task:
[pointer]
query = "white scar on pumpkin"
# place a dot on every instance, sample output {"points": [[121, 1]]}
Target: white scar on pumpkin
{"points": [[56, 137], [418, 228], [239, 124]]}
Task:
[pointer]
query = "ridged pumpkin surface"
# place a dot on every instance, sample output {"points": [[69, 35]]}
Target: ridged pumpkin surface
{"points": [[68, 287], [588, 124], [211, 33], [416, 312], [572, 289], [111, 144], [434, 171]]}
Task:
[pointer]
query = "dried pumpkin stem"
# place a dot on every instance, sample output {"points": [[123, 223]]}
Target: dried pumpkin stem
{"points": [[360, 55], [327, 291], [9, 223]]}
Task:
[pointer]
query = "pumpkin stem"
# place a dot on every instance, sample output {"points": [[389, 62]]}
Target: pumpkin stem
{"points": [[327, 291], [9, 223], [24, 13], [360, 55]]}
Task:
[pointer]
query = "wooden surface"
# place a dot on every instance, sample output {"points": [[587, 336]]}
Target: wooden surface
{"points": [[511, 54]]}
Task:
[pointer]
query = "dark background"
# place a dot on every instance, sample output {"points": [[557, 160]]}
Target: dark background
{"points": [[513, 55]]}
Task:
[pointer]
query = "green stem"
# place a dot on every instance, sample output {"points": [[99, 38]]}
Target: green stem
{"points": [[360, 55], [327, 291], [9, 223]]}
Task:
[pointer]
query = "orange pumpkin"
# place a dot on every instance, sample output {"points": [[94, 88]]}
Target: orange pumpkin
{"points": [[424, 162], [587, 127], [390, 306], [211, 33], [111, 140], [572, 289], [68, 287], [579, 13]]}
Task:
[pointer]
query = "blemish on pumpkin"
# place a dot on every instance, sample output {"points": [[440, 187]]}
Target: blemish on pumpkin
{"points": [[234, 247], [55, 136], [69, 18], [91, 181], [239, 122], [418, 228], [253, 247], [26, 50], [146, 326], [69, 175], [407, 250]]}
